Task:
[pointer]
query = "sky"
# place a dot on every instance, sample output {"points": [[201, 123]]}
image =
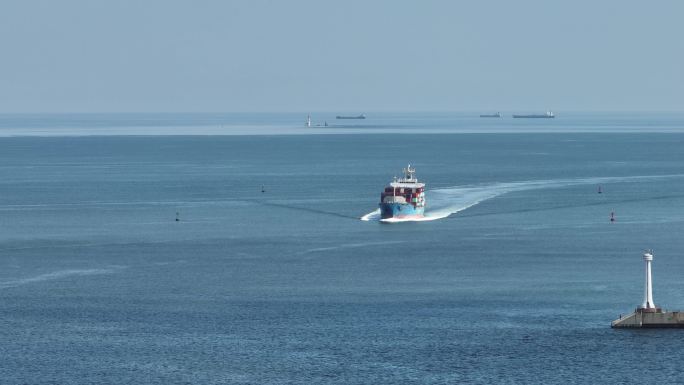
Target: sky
{"points": [[325, 55]]}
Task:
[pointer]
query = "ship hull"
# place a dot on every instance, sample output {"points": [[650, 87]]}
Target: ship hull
{"points": [[400, 211]]}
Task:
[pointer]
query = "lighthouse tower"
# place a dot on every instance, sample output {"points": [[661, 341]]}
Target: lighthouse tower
{"points": [[648, 288], [648, 315]]}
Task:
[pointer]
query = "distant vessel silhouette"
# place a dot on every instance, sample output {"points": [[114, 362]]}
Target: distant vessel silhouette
{"points": [[547, 115], [362, 116], [497, 115]]}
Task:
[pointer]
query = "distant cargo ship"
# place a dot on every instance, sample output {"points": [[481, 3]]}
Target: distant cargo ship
{"points": [[547, 115], [362, 116], [403, 198], [497, 115]]}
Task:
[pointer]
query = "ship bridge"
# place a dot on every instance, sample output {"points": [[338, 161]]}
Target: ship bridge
{"points": [[408, 181], [400, 184]]}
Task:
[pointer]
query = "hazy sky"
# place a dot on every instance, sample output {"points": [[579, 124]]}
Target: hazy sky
{"points": [[222, 56]]}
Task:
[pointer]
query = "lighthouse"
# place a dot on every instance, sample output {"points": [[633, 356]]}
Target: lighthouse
{"points": [[648, 315], [648, 285]]}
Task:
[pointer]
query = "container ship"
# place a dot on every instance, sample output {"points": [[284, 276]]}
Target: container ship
{"points": [[403, 198], [362, 116], [547, 115]]}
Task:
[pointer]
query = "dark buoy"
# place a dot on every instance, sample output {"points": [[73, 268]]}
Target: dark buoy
{"points": [[177, 216], [612, 216], [599, 190]]}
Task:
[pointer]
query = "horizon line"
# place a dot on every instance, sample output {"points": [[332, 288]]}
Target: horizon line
{"points": [[333, 112]]}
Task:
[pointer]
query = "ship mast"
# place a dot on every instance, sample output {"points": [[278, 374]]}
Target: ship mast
{"points": [[409, 174]]}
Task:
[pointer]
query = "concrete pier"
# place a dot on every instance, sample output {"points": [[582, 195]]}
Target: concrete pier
{"points": [[650, 318], [648, 315]]}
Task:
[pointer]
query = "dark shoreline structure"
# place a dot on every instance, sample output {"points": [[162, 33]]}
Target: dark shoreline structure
{"points": [[648, 315]]}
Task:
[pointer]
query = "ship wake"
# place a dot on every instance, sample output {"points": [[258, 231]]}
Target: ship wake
{"points": [[443, 202]]}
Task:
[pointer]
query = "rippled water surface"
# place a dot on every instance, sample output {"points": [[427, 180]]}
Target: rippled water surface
{"points": [[515, 280]]}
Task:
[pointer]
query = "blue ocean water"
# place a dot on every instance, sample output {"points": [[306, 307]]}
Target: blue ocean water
{"points": [[515, 280]]}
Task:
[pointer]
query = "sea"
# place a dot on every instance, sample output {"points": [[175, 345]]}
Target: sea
{"points": [[247, 249]]}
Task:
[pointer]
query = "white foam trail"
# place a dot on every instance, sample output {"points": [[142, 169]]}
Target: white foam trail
{"points": [[350, 246], [58, 275], [372, 216], [450, 200]]}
